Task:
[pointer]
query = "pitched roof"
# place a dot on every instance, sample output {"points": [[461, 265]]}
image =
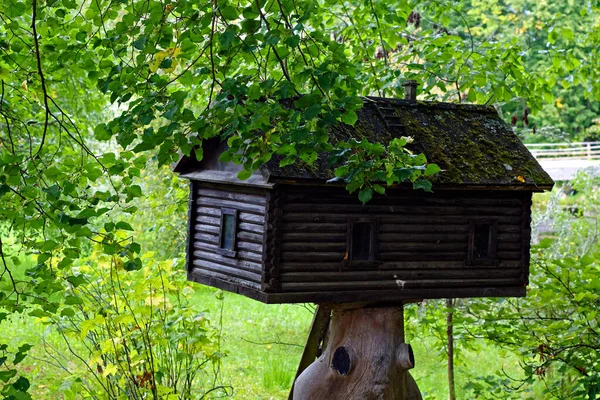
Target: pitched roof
{"points": [[471, 143]]}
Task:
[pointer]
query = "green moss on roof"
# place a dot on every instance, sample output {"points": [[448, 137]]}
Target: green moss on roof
{"points": [[471, 143]]}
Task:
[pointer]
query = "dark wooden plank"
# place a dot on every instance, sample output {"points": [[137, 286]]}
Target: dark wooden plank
{"points": [[299, 210], [234, 262], [393, 265], [189, 247], [207, 229], [224, 177], [207, 237], [379, 296], [318, 256], [233, 196], [391, 218], [423, 256], [390, 223], [226, 277], [228, 271], [509, 237], [421, 265], [309, 237], [312, 227], [418, 247], [508, 255], [242, 227], [398, 284], [314, 246], [435, 275], [238, 288], [400, 228], [458, 198], [424, 237], [252, 255], [234, 188], [240, 244], [509, 246], [212, 215], [253, 228], [247, 207], [250, 237]]}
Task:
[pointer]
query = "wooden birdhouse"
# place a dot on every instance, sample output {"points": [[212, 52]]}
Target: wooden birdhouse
{"points": [[285, 235]]}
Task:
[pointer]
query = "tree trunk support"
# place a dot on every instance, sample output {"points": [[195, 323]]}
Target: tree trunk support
{"points": [[365, 357], [316, 337]]}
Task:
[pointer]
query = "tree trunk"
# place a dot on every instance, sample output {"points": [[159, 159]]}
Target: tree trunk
{"points": [[365, 358], [450, 333]]}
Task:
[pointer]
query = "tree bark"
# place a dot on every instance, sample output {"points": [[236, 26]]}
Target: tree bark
{"points": [[365, 358], [316, 336], [450, 333]]}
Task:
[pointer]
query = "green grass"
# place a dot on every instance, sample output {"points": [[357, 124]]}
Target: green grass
{"points": [[263, 344]]}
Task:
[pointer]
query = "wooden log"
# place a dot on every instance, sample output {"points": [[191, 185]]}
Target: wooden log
{"points": [[227, 195], [399, 285], [365, 358], [318, 329], [251, 208], [322, 210], [405, 275]]}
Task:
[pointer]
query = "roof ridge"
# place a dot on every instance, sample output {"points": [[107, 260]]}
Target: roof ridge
{"points": [[392, 101]]}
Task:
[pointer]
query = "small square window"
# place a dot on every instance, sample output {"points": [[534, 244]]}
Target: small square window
{"points": [[228, 232], [482, 242], [361, 241]]}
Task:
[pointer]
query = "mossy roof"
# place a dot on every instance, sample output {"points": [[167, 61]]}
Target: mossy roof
{"points": [[471, 144]]}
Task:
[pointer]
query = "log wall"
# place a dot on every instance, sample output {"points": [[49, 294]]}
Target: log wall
{"points": [[205, 264], [422, 244]]}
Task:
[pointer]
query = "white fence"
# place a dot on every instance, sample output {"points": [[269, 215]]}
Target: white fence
{"points": [[572, 151]]}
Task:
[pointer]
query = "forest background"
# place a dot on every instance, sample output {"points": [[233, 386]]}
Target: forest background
{"points": [[98, 97]]}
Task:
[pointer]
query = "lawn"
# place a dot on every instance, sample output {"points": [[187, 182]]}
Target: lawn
{"points": [[263, 344]]}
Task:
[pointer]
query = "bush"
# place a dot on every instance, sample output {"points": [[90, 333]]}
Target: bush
{"points": [[135, 334]]}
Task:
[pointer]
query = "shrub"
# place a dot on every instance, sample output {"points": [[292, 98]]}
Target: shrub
{"points": [[135, 334]]}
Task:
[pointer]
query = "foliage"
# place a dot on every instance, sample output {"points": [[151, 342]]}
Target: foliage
{"points": [[371, 164], [91, 92], [134, 334], [555, 328]]}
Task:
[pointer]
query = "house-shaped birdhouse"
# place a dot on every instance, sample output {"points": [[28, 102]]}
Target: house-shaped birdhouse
{"points": [[285, 235]]}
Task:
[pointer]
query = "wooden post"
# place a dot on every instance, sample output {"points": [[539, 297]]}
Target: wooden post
{"points": [[318, 329], [365, 358]]}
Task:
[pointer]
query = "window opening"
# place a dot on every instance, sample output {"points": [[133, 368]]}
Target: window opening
{"points": [[228, 231], [361, 241], [482, 241]]}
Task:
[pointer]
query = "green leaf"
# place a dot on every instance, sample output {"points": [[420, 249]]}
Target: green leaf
{"points": [[305, 101], [133, 265], [423, 184], [379, 189], [312, 111], [432, 169], [5, 376], [101, 132], [349, 118], [244, 174], [229, 13], [545, 243], [365, 195], [21, 384], [568, 33], [72, 300], [140, 42], [134, 191], [124, 226]]}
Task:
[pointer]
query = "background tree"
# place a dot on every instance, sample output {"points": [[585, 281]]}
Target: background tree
{"points": [[92, 91]]}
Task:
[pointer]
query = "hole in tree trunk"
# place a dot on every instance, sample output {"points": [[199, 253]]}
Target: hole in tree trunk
{"points": [[341, 361]]}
